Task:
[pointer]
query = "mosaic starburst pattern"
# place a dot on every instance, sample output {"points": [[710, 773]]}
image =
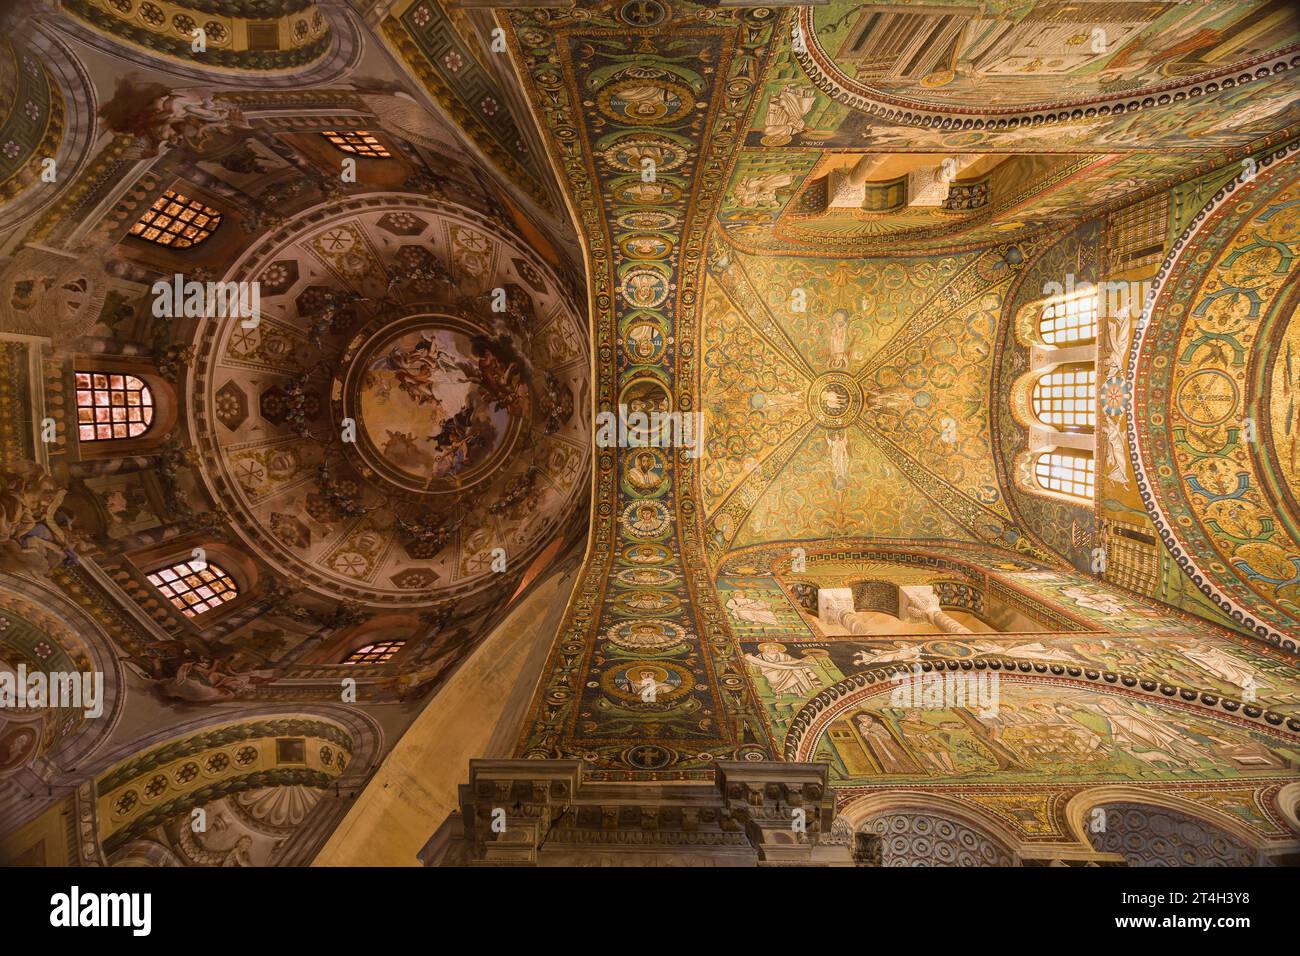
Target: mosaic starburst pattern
{"points": [[850, 395]]}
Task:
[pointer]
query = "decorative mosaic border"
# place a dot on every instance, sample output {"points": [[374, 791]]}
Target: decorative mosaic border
{"points": [[341, 53], [1146, 482], [832, 81], [807, 725], [540, 43]]}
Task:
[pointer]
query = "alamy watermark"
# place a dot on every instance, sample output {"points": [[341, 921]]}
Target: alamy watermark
{"points": [[977, 691], [75, 909], [647, 429], [66, 690], [192, 299], [1113, 297]]}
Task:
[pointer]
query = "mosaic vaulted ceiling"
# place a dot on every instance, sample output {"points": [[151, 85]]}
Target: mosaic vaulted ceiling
{"points": [[1223, 418], [824, 234], [842, 397], [856, 405], [1003, 58], [1081, 107]]}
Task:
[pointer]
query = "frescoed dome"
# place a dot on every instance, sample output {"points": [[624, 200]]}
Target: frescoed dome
{"points": [[405, 413]]}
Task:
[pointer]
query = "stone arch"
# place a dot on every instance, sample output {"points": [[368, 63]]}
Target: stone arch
{"points": [[1235, 836], [329, 50], [70, 133], [1287, 801], [925, 829], [368, 736], [33, 784], [294, 749]]}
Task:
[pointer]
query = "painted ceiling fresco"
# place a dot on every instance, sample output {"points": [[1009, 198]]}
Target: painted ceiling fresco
{"points": [[470, 434], [805, 259], [347, 485]]}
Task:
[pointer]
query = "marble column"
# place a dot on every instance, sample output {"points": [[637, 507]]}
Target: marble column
{"points": [[921, 603]]}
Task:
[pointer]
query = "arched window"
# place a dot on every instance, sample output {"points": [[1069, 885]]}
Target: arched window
{"points": [[1066, 397], [195, 587], [1067, 471], [359, 142], [112, 406], [380, 652], [1069, 320], [177, 221]]}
